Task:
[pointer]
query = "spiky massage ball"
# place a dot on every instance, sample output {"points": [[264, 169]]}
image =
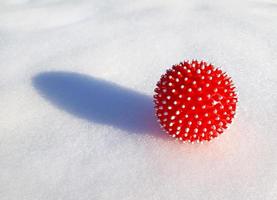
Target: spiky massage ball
{"points": [[195, 101]]}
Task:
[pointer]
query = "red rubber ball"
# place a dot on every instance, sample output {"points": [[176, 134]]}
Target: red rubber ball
{"points": [[195, 101]]}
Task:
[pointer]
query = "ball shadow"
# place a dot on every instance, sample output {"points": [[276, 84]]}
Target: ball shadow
{"points": [[99, 101]]}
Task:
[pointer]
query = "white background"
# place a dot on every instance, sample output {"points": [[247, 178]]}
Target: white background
{"points": [[76, 118]]}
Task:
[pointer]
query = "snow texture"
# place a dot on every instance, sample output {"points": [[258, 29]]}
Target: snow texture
{"points": [[76, 112]]}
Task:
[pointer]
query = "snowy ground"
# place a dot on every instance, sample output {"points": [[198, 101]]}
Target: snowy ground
{"points": [[76, 117]]}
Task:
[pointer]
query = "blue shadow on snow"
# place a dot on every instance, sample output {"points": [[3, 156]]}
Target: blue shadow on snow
{"points": [[99, 101]]}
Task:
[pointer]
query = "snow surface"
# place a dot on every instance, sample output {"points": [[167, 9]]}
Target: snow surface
{"points": [[76, 117]]}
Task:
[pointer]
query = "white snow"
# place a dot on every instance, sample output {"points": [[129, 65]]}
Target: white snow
{"points": [[76, 117]]}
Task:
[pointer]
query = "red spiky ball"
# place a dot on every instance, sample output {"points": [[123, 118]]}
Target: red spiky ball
{"points": [[195, 101]]}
